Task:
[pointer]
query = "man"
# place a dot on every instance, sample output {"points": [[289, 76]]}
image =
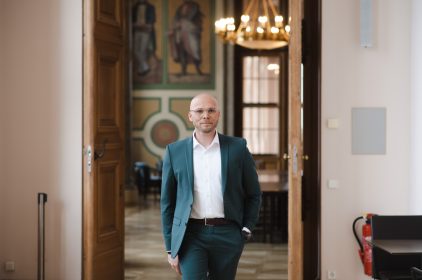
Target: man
{"points": [[210, 197]]}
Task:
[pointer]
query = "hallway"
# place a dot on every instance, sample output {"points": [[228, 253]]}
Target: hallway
{"points": [[145, 255]]}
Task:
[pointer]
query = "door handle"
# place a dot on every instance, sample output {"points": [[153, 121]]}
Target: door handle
{"points": [[100, 154], [89, 159]]}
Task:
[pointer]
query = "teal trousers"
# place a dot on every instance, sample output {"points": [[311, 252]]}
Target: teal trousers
{"points": [[210, 252]]}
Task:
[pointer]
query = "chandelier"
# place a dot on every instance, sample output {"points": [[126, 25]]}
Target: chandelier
{"points": [[261, 27]]}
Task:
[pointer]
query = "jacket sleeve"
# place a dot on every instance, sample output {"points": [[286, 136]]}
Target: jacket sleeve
{"points": [[252, 190], [168, 198]]}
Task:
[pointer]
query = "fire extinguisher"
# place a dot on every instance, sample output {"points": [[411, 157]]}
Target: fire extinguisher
{"points": [[365, 249]]}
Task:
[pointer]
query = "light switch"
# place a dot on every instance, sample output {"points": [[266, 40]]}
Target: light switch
{"points": [[332, 123], [332, 184], [9, 266]]}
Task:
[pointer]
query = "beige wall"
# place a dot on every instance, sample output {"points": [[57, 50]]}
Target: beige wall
{"points": [[2, 120], [41, 112], [353, 76]]}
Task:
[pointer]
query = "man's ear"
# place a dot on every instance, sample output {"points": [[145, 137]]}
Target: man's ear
{"points": [[190, 116]]}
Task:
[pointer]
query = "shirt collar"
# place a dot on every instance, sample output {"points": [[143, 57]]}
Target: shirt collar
{"points": [[215, 141]]}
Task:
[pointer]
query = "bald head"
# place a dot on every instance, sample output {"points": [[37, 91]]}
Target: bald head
{"points": [[203, 98], [204, 113]]}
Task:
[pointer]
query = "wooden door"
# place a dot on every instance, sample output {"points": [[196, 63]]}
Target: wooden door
{"points": [[103, 116], [295, 228], [311, 186]]}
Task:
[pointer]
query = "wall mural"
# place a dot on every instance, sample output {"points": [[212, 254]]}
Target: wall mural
{"points": [[156, 123], [173, 48], [172, 44]]}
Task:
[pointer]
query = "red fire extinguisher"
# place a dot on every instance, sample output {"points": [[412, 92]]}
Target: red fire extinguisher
{"points": [[365, 251]]}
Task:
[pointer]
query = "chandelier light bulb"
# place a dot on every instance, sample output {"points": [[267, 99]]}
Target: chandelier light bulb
{"points": [[220, 25], [262, 19], [245, 18], [230, 20], [278, 18], [231, 27], [261, 27]]}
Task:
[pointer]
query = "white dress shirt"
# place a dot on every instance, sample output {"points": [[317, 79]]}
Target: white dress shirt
{"points": [[208, 191]]}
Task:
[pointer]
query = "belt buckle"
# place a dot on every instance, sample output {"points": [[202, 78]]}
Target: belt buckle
{"points": [[207, 224]]}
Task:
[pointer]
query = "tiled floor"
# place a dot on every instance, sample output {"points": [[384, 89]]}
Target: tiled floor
{"points": [[145, 257]]}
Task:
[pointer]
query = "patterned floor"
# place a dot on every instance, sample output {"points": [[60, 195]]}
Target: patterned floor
{"points": [[145, 257]]}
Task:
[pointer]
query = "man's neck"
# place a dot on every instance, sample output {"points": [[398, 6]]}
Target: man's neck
{"points": [[205, 139]]}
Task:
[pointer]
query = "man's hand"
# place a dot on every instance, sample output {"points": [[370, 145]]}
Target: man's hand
{"points": [[246, 235], [174, 263]]}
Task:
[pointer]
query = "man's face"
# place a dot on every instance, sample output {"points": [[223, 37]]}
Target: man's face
{"points": [[204, 114]]}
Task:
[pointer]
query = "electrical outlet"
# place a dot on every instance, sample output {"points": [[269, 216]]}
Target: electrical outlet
{"points": [[331, 275], [9, 266]]}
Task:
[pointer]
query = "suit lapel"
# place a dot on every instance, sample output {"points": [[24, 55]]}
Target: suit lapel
{"points": [[224, 149], [189, 161]]}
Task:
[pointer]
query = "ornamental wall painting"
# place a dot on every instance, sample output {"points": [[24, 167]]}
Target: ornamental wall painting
{"points": [[160, 122], [172, 44]]}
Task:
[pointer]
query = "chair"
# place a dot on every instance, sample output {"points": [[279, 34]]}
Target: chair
{"points": [[272, 223], [139, 178], [159, 167], [387, 266], [146, 182], [416, 273]]}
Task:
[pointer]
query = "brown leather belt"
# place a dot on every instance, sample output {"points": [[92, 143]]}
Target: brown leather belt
{"points": [[211, 221]]}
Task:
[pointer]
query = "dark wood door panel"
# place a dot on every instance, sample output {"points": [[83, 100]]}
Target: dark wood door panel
{"points": [[109, 23], [109, 86], [105, 84], [109, 265], [109, 226]]}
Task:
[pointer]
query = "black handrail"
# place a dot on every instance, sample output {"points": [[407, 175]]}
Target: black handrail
{"points": [[42, 199]]}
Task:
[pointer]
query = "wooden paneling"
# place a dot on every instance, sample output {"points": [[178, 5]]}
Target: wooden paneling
{"points": [[295, 243], [109, 65], [105, 87]]}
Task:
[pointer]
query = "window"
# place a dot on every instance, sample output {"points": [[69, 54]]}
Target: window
{"points": [[262, 106]]}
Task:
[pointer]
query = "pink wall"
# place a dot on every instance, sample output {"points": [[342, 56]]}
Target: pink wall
{"points": [[42, 132]]}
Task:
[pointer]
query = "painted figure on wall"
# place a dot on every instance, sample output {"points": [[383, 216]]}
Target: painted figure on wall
{"points": [[185, 36], [144, 37]]}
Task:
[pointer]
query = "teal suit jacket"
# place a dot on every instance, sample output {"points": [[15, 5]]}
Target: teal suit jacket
{"points": [[240, 187]]}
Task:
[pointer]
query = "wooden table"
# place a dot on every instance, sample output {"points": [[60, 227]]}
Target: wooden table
{"points": [[273, 214], [272, 181]]}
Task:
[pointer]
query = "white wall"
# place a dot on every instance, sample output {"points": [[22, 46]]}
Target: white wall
{"points": [[41, 113], [353, 76], [416, 112]]}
